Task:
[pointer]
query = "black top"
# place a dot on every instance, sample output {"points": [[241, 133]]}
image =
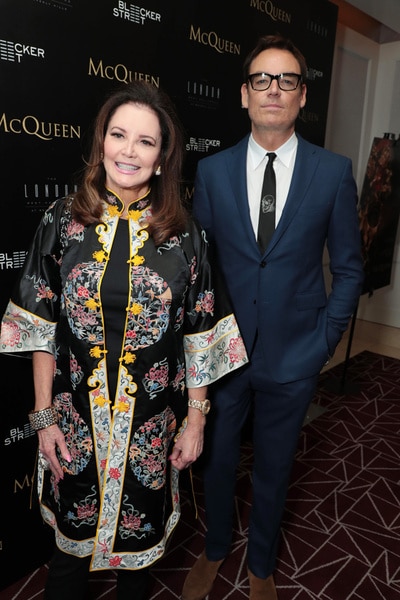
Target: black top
{"points": [[114, 299]]}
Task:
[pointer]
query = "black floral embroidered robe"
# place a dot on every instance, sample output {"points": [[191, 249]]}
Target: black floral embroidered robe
{"points": [[119, 499]]}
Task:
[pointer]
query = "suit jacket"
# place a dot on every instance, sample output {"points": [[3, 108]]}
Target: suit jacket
{"points": [[282, 295]]}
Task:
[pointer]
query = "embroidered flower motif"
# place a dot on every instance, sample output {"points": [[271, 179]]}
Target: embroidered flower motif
{"points": [[148, 451], [193, 274], [76, 373], [44, 292], [78, 439], [75, 230], [115, 473], [10, 334], [148, 315], [236, 350], [205, 303], [193, 371], [157, 378], [115, 561], [179, 381], [86, 511], [83, 292], [80, 295], [211, 338], [132, 523], [136, 308]]}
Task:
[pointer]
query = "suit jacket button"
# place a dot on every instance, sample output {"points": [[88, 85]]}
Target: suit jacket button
{"points": [[263, 264]]}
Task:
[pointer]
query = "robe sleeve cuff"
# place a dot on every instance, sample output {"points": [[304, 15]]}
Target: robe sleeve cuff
{"points": [[212, 354], [22, 331]]}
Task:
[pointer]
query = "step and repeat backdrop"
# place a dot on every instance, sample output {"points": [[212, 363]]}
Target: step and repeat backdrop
{"points": [[58, 60]]}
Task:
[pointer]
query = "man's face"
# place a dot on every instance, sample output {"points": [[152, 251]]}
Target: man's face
{"points": [[273, 110]]}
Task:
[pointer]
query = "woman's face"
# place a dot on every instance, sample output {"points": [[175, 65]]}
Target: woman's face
{"points": [[132, 148]]}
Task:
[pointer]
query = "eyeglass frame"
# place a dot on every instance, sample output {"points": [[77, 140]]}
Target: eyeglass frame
{"points": [[277, 77]]}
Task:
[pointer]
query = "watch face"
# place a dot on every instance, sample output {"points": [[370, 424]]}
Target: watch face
{"points": [[206, 407], [203, 405]]}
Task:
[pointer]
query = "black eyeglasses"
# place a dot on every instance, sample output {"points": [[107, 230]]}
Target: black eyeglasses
{"points": [[286, 81]]}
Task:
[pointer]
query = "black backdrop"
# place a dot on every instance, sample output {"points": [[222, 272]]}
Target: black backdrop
{"points": [[58, 59]]}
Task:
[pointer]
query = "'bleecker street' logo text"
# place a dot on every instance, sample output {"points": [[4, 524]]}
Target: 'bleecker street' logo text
{"points": [[135, 14], [16, 51]]}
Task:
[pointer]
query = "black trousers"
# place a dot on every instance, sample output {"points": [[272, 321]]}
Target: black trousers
{"points": [[68, 579]]}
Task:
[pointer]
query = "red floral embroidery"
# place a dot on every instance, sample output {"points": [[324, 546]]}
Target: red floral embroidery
{"points": [[115, 561], [115, 473], [85, 511], [236, 350]]}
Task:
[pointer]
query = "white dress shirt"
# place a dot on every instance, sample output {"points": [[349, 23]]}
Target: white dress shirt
{"points": [[283, 167]]}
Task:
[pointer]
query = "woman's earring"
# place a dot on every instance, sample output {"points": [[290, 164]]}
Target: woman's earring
{"points": [[158, 171], [101, 156]]}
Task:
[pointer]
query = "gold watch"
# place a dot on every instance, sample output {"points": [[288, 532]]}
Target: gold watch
{"points": [[202, 405]]}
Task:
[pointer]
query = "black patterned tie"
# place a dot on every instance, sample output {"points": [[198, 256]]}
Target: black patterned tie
{"points": [[266, 223]]}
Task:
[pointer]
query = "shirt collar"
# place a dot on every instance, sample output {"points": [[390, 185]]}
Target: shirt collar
{"points": [[257, 153]]}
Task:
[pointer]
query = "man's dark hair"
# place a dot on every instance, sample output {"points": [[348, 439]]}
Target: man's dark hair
{"points": [[267, 42]]}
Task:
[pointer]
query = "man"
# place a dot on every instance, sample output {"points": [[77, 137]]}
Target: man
{"points": [[290, 326]]}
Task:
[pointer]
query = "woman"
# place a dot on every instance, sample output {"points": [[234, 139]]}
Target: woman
{"points": [[117, 304]]}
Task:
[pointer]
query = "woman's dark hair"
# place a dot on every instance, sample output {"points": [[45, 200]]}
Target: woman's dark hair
{"points": [[281, 43], [168, 213]]}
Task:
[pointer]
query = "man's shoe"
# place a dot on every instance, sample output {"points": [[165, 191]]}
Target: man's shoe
{"points": [[200, 579], [262, 589]]}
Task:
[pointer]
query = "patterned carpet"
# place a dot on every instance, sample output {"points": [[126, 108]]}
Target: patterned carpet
{"points": [[341, 530]]}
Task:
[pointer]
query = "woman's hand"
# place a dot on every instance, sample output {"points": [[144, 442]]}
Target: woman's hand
{"points": [[189, 445], [49, 439]]}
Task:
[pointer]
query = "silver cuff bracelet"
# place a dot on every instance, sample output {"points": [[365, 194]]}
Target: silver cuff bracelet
{"points": [[40, 419]]}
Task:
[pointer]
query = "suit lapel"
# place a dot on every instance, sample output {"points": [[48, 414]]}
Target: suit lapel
{"points": [[303, 172], [237, 180]]}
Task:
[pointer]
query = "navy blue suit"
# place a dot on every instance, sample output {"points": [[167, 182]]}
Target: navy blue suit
{"points": [[290, 326]]}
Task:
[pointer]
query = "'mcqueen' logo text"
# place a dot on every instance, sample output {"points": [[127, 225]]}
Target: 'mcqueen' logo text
{"points": [[31, 125], [274, 12], [212, 39], [120, 72]]}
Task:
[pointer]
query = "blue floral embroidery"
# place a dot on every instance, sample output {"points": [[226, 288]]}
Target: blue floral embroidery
{"points": [[82, 303], [148, 451], [148, 315]]}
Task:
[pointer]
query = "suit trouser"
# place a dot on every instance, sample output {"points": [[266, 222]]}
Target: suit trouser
{"points": [[278, 414]]}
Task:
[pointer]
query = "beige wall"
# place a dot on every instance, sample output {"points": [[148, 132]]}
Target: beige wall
{"points": [[365, 103]]}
